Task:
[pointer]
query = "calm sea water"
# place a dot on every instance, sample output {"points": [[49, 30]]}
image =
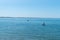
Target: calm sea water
{"points": [[21, 29]]}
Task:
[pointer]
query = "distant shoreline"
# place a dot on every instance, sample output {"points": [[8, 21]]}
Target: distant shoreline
{"points": [[25, 17]]}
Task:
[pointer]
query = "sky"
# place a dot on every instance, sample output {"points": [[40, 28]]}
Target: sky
{"points": [[30, 8]]}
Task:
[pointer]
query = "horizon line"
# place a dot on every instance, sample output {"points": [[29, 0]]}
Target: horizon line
{"points": [[28, 17]]}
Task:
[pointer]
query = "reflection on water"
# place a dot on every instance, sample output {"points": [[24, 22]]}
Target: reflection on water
{"points": [[20, 29]]}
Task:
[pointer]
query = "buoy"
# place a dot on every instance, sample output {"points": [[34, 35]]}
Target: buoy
{"points": [[28, 20], [43, 24]]}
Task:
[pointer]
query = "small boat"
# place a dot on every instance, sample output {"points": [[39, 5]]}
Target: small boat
{"points": [[43, 24]]}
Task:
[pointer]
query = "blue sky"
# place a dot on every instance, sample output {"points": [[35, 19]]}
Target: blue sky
{"points": [[30, 8]]}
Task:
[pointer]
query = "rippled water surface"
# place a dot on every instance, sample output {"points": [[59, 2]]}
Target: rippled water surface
{"points": [[21, 29]]}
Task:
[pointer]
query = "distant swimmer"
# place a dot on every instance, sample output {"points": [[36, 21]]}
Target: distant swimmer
{"points": [[43, 24]]}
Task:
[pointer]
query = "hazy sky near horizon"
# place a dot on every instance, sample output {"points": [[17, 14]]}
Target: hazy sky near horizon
{"points": [[30, 8]]}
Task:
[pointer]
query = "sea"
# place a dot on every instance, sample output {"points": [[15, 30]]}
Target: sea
{"points": [[29, 29]]}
